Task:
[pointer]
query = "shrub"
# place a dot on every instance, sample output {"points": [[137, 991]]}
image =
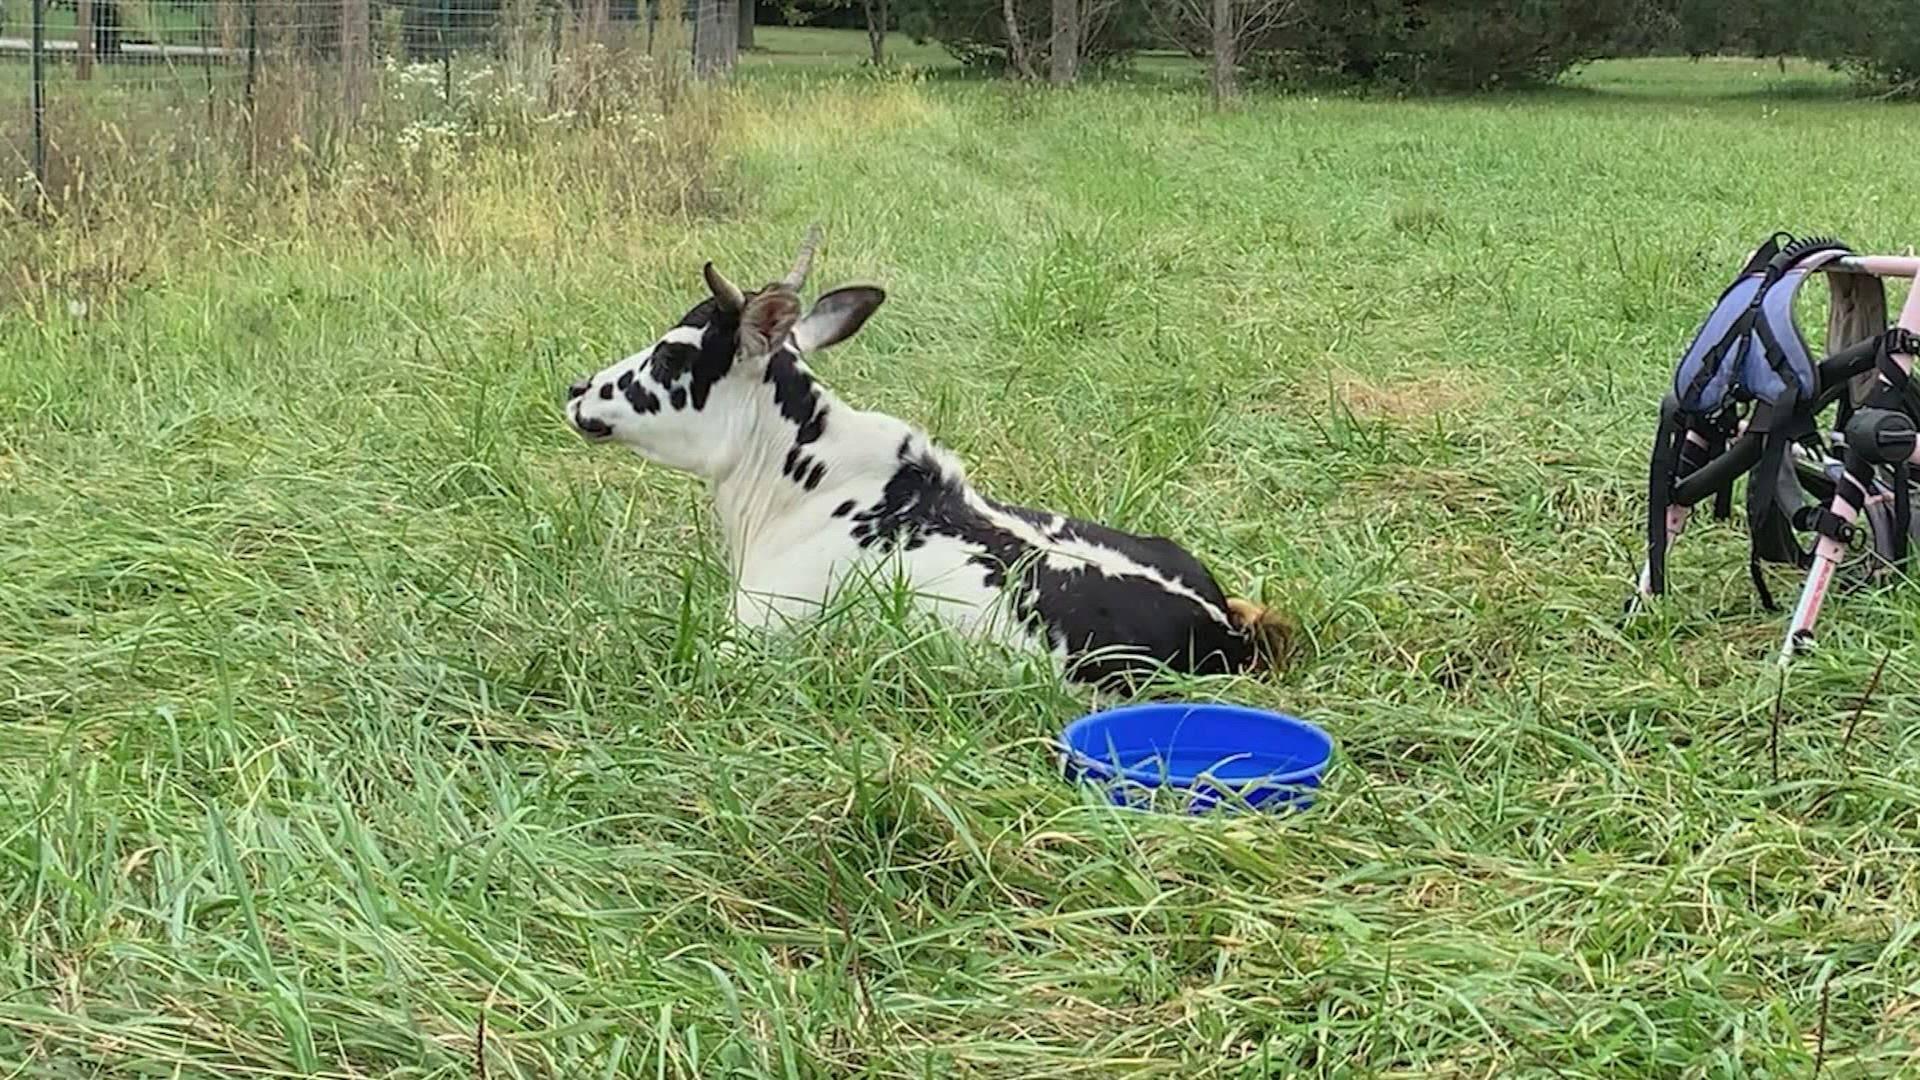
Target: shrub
{"points": [[1439, 44], [975, 32], [1876, 40]]}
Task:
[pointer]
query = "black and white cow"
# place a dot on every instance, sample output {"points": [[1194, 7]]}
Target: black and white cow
{"points": [[809, 489]]}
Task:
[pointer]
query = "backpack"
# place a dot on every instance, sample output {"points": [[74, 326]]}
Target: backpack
{"points": [[1746, 400]]}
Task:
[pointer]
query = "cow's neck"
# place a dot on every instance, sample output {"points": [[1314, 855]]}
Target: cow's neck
{"points": [[763, 503]]}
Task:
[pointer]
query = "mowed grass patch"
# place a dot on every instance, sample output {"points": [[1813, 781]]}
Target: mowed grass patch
{"points": [[357, 720]]}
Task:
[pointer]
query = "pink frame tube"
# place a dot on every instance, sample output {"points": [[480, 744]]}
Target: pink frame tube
{"points": [[1828, 552], [1905, 266]]}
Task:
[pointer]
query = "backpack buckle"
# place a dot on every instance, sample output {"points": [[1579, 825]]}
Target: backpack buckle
{"points": [[1899, 339], [1831, 525]]}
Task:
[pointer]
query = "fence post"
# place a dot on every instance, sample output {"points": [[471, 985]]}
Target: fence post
{"points": [[446, 51], [83, 28], [354, 31], [253, 63], [253, 49], [40, 95]]}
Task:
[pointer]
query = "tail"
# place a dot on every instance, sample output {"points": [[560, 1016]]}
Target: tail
{"points": [[1276, 636]]}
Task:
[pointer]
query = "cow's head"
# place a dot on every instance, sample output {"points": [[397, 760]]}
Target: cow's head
{"points": [[696, 398]]}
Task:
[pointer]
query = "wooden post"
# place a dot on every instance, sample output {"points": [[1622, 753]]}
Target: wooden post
{"points": [[83, 28], [354, 29], [446, 52], [253, 52], [40, 95]]}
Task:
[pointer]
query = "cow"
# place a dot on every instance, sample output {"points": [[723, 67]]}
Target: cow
{"points": [[811, 492]]}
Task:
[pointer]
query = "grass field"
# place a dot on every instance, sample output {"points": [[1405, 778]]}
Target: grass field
{"points": [[358, 720]]}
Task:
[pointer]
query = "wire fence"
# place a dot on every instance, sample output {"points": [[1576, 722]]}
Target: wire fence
{"points": [[337, 64]]}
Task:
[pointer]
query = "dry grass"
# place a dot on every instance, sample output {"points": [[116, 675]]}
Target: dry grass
{"points": [[569, 131]]}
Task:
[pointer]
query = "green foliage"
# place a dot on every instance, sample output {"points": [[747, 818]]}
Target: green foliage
{"points": [[1876, 40], [975, 32], [1440, 44], [828, 14]]}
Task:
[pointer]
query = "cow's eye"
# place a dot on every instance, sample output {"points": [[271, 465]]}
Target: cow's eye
{"points": [[672, 360]]}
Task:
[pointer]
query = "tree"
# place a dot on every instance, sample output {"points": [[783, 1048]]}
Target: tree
{"points": [[878, 12], [745, 36], [716, 36], [1221, 31], [1064, 46], [1016, 45]]}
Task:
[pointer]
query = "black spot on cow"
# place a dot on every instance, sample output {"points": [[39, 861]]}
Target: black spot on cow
{"points": [[626, 379], [814, 428], [844, 508], [642, 400], [792, 466], [1115, 628], [706, 363], [798, 396], [813, 478], [679, 399], [606, 391], [717, 347], [671, 360]]}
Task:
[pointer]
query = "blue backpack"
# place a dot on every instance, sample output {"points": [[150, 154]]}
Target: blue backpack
{"points": [[1747, 375], [1749, 349]]}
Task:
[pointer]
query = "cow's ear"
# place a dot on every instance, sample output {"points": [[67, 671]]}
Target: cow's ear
{"points": [[837, 316], [767, 320]]}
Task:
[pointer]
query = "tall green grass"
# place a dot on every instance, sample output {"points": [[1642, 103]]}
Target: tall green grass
{"points": [[357, 720]]}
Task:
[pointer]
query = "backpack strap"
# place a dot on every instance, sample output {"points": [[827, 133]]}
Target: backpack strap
{"points": [[1769, 531], [1662, 470], [1902, 511], [1723, 430], [1900, 392], [1782, 358]]}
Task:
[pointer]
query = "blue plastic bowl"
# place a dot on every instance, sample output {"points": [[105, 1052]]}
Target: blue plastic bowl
{"points": [[1216, 753]]}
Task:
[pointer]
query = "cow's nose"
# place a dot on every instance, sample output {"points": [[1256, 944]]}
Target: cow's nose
{"points": [[578, 388]]}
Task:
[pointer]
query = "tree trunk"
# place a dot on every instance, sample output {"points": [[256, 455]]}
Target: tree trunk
{"points": [[1224, 49], [1064, 49], [83, 30], [716, 35], [748, 9], [877, 30], [1016, 48]]}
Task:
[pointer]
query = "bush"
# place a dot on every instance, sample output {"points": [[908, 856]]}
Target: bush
{"points": [[974, 32], [1440, 44], [1876, 40]]}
